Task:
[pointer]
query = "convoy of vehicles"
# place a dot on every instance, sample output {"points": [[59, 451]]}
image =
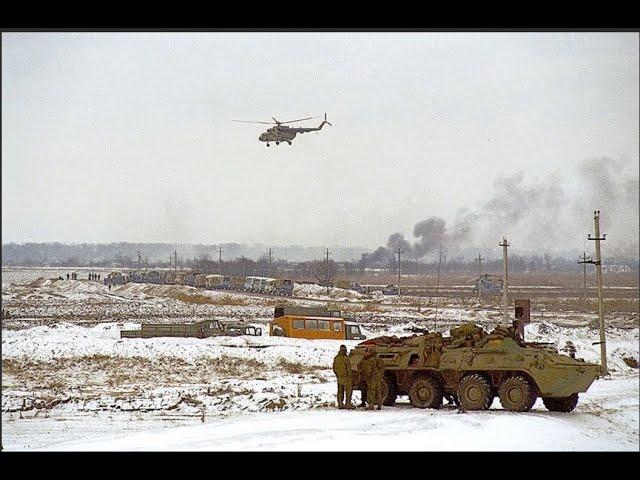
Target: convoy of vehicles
{"points": [[265, 285], [252, 284]]}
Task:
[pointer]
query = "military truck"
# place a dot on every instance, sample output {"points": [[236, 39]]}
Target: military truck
{"points": [[390, 290], [200, 280], [214, 281], [285, 288], [471, 367], [282, 310], [202, 329], [356, 287], [154, 277]]}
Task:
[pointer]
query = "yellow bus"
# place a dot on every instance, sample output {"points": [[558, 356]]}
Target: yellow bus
{"points": [[313, 328]]}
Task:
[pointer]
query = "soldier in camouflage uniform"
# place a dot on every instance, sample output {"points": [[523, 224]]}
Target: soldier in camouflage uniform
{"points": [[466, 335], [372, 371], [342, 369]]}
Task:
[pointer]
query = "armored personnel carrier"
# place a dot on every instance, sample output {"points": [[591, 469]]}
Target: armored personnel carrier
{"points": [[471, 367]]}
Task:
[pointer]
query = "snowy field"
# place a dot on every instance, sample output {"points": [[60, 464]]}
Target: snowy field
{"points": [[70, 383]]}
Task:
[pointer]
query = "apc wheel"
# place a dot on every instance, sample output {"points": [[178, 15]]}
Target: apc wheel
{"points": [[425, 392], [388, 391], [474, 393], [517, 394], [563, 404]]}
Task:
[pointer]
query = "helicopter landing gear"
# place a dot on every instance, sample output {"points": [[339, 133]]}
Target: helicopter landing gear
{"points": [[289, 143], [267, 144], [277, 143]]}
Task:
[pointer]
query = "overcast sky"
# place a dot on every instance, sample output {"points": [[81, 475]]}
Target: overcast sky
{"points": [[128, 137]]}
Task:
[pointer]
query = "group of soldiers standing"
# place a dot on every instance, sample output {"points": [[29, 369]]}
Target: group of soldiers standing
{"points": [[371, 371], [94, 276]]}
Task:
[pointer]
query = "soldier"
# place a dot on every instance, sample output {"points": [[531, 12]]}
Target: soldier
{"points": [[465, 335], [342, 369], [372, 369], [67, 276]]}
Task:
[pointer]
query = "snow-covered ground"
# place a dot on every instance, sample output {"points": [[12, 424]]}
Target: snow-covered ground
{"points": [[71, 383], [606, 420]]}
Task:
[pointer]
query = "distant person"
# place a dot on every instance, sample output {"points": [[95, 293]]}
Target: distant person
{"points": [[109, 286], [67, 276], [342, 369], [98, 277]]}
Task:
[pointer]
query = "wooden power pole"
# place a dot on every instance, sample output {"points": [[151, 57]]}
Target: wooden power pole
{"points": [[584, 261], [399, 252], [326, 270], [505, 282], [479, 259], [598, 264]]}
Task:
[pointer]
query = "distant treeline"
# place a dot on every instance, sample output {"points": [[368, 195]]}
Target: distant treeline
{"points": [[296, 261], [106, 254]]}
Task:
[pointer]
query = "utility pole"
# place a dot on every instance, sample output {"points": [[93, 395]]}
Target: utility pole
{"points": [[175, 258], [479, 259], [505, 283], [220, 260], [598, 264], [584, 261], [399, 252], [270, 265], [326, 271], [437, 288]]}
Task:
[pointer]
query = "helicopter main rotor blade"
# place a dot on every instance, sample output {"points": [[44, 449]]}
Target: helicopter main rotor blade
{"points": [[249, 121], [301, 119]]}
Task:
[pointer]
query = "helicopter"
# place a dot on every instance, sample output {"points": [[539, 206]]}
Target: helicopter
{"points": [[283, 133]]}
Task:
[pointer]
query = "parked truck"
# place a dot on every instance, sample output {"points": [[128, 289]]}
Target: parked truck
{"points": [[202, 329], [285, 288]]}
